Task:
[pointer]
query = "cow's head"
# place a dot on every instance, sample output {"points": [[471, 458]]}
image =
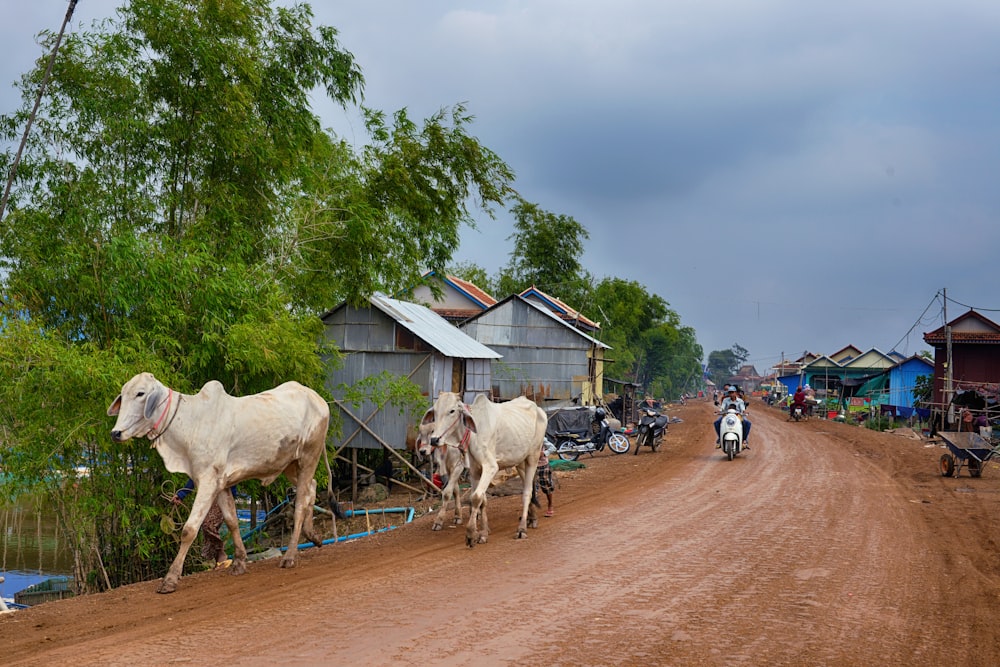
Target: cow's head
{"points": [[139, 405], [452, 419], [424, 434]]}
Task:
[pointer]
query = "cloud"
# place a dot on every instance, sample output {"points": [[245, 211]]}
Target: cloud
{"points": [[787, 175]]}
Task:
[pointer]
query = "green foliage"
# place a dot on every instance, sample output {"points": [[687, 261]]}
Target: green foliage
{"points": [[179, 210], [878, 423], [476, 275], [547, 252], [375, 221], [649, 344], [923, 390], [723, 364]]}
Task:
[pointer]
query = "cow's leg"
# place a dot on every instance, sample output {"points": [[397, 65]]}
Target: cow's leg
{"points": [[203, 499], [439, 460], [532, 512], [228, 507], [453, 467], [473, 533], [305, 496], [527, 471], [456, 474]]}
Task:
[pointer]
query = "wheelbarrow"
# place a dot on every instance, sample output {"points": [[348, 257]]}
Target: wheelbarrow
{"points": [[965, 449]]}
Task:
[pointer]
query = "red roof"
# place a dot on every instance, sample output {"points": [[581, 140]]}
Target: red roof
{"points": [[568, 314], [474, 291], [970, 327]]}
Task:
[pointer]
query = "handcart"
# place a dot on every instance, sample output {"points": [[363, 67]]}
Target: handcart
{"points": [[967, 449]]}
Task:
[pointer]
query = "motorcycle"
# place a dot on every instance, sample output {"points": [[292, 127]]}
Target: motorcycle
{"points": [[570, 445], [652, 428], [797, 412], [731, 433]]}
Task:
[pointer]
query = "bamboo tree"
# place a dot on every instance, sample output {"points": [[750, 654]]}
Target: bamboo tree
{"points": [[180, 210]]}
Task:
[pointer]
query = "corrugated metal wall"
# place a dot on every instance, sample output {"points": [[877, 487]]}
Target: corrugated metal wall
{"points": [[387, 423], [542, 359], [366, 338]]}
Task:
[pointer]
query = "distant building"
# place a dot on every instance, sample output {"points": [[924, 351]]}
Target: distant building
{"points": [[544, 357], [565, 312], [459, 300], [975, 357]]}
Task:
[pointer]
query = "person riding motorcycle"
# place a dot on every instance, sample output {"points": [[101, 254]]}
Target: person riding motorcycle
{"points": [[732, 400], [798, 400]]}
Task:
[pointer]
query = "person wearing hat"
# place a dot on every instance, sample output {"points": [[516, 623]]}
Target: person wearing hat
{"points": [[732, 400], [810, 398]]}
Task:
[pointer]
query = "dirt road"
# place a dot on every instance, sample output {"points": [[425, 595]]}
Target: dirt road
{"points": [[826, 544]]}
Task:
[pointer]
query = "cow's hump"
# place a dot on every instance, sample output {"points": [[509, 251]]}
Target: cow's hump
{"points": [[213, 390]]}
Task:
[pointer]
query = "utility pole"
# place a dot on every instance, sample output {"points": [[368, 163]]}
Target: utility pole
{"points": [[948, 373]]}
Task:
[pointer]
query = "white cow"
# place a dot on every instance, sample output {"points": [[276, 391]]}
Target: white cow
{"points": [[447, 461], [219, 440], [497, 435]]}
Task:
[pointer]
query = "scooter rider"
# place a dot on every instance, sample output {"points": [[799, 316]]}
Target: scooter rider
{"points": [[732, 400], [798, 400]]}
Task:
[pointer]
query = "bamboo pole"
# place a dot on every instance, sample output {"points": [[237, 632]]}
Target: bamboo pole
{"points": [[394, 481], [386, 445]]}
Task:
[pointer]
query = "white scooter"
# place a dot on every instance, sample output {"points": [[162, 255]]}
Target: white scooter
{"points": [[731, 433]]}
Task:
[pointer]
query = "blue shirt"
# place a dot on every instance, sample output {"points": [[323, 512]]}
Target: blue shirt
{"points": [[189, 487]]}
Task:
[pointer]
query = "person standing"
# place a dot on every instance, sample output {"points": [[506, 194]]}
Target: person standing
{"points": [[213, 549], [966, 424], [543, 481]]}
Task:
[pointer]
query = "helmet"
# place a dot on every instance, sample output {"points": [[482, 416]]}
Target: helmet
{"points": [[599, 413]]}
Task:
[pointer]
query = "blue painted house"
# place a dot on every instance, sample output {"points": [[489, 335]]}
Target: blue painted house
{"points": [[903, 379]]}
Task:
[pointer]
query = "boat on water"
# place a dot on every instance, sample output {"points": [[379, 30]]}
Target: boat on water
{"points": [[53, 588], [8, 605]]}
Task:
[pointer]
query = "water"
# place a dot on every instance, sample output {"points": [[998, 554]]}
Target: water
{"points": [[33, 548]]}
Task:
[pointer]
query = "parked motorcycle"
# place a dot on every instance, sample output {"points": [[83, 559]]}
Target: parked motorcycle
{"points": [[570, 445], [652, 427], [731, 433]]}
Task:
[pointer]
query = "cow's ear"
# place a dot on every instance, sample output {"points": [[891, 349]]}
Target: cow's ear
{"points": [[470, 423], [428, 417], [152, 402], [115, 406]]}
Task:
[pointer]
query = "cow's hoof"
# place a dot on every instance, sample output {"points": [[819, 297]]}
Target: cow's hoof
{"points": [[521, 535], [436, 526], [533, 523], [469, 542], [167, 587], [238, 567], [287, 562], [483, 539]]}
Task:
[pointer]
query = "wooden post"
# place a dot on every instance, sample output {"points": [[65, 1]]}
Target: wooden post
{"points": [[354, 475]]}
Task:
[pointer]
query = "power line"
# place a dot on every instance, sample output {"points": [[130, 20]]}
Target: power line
{"points": [[964, 305], [920, 320]]}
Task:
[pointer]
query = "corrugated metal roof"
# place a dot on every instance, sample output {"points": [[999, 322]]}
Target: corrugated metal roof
{"points": [[433, 329], [542, 309]]}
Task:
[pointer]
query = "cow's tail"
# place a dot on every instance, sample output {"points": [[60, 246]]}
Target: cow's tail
{"points": [[335, 507]]}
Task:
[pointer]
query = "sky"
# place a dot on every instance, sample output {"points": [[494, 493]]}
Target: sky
{"points": [[788, 176]]}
